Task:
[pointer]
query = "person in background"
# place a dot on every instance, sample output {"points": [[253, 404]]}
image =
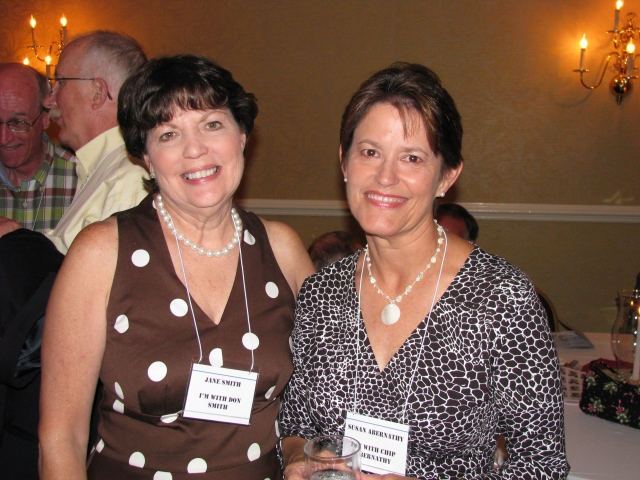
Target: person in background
{"points": [[28, 264], [185, 282], [431, 342], [37, 177], [84, 102], [332, 246], [456, 219]]}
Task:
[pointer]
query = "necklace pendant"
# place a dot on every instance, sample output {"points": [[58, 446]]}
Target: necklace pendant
{"points": [[390, 314]]}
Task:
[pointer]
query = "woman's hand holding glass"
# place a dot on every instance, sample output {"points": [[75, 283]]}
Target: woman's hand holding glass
{"points": [[332, 457]]}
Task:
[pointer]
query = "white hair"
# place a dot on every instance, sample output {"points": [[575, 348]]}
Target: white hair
{"points": [[112, 56]]}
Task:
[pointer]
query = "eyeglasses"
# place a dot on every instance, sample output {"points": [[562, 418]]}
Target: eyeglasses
{"points": [[56, 81], [21, 126]]}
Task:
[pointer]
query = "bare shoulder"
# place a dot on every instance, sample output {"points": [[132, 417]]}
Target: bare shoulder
{"points": [[290, 253], [96, 246], [280, 232], [97, 237]]}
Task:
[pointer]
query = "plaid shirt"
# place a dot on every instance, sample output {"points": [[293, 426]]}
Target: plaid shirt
{"points": [[38, 204]]}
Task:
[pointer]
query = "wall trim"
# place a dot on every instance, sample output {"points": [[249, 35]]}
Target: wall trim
{"points": [[529, 212]]}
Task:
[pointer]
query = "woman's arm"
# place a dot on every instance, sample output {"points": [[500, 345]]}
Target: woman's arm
{"points": [[290, 254], [72, 348], [528, 388]]}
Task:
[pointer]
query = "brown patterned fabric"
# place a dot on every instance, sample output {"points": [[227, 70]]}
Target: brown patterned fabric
{"points": [[139, 435]]}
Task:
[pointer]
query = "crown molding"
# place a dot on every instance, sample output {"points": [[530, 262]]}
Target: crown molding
{"points": [[529, 212]]}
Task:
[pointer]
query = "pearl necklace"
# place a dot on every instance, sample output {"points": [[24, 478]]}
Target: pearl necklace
{"points": [[237, 223], [391, 313]]}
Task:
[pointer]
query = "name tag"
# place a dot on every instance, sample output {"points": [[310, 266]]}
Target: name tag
{"points": [[384, 443], [220, 394]]}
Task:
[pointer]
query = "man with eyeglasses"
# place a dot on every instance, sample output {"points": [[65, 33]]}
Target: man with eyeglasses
{"points": [[83, 101], [37, 184], [37, 178]]}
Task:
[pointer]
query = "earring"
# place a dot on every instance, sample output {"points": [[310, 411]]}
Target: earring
{"points": [[442, 195], [152, 175], [345, 179]]}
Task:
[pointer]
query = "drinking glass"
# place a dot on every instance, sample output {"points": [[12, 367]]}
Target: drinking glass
{"points": [[332, 457]]}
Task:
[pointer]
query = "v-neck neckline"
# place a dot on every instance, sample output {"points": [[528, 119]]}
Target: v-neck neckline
{"points": [[168, 265], [418, 330]]}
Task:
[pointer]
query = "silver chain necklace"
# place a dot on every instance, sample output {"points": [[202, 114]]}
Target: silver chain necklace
{"points": [[391, 313], [237, 224]]}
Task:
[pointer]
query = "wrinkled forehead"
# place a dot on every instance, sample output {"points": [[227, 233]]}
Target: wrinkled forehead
{"points": [[18, 94], [71, 59]]}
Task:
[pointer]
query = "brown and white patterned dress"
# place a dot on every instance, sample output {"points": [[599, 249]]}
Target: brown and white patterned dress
{"points": [[488, 365]]}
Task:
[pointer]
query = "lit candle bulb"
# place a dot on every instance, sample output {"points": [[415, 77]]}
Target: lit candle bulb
{"points": [[619, 4], [631, 48], [583, 48], [63, 22], [25, 61], [32, 22], [47, 60]]}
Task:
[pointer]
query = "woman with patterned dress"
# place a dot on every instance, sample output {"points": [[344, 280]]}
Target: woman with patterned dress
{"points": [[182, 306], [421, 345]]}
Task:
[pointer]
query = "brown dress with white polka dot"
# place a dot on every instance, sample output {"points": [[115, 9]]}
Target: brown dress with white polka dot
{"points": [[151, 343]]}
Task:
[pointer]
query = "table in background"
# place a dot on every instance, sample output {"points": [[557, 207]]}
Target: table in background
{"points": [[598, 449]]}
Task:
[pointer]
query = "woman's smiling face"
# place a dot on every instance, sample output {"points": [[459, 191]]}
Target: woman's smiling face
{"points": [[392, 173], [197, 157]]}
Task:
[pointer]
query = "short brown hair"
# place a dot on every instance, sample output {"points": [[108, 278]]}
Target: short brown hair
{"points": [[183, 82], [409, 86]]}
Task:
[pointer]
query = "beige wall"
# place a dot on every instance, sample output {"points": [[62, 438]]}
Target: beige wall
{"points": [[532, 134]]}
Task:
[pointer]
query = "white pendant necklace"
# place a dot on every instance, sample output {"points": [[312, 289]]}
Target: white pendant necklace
{"points": [[237, 223], [391, 313]]}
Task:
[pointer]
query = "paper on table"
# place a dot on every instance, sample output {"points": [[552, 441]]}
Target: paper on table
{"points": [[573, 339]]}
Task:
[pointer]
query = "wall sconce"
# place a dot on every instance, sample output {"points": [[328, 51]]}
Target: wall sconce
{"points": [[59, 46], [624, 38]]}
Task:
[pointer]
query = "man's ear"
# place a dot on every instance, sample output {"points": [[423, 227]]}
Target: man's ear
{"points": [[100, 93], [46, 119]]}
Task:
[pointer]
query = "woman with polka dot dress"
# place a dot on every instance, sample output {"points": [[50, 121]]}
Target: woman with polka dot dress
{"points": [[422, 346], [182, 306]]}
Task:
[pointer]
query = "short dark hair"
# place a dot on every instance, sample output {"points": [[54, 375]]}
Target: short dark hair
{"points": [[163, 85], [409, 86], [458, 211], [331, 247]]}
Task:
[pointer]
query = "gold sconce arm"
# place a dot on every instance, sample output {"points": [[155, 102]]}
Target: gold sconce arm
{"points": [[604, 69]]}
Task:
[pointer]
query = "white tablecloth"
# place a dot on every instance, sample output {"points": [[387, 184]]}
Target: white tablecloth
{"points": [[598, 449]]}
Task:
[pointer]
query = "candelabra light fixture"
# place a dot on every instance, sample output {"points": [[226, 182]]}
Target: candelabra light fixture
{"points": [[55, 48], [625, 39]]}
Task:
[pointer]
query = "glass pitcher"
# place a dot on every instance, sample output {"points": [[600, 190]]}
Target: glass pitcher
{"points": [[624, 333]]}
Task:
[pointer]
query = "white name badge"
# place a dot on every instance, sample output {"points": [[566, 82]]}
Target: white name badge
{"points": [[220, 394], [384, 443]]}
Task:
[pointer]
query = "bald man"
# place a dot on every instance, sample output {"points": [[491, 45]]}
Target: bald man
{"points": [[83, 102], [37, 178]]}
